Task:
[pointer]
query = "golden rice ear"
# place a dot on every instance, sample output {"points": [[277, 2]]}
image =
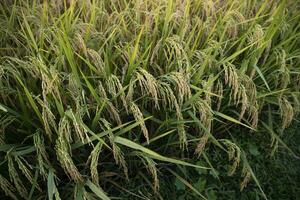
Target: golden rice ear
{"points": [[182, 86], [176, 54], [42, 156], [182, 134], [219, 92], [62, 150], [247, 97], [180, 127], [119, 157], [254, 115], [57, 5], [148, 85], [155, 51], [151, 167], [232, 18], [73, 86], [284, 69], [205, 112], [234, 154], [7, 187], [170, 100], [232, 79], [79, 44], [117, 152], [14, 176], [201, 144], [114, 87], [80, 131], [48, 119], [247, 177], [244, 92], [113, 111], [64, 130], [25, 169], [138, 116], [251, 89], [209, 7], [94, 159], [256, 35], [287, 112], [97, 60], [66, 161], [102, 91], [244, 101], [165, 94]]}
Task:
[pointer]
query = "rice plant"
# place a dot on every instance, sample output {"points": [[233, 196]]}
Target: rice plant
{"points": [[117, 99]]}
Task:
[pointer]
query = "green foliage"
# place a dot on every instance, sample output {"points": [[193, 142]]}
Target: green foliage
{"points": [[149, 99]]}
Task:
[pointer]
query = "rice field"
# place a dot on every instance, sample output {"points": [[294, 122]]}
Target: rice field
{"points": [[149, 99]]}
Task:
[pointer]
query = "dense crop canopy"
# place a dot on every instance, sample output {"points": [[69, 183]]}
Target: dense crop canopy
{"points": [[102, 98]]}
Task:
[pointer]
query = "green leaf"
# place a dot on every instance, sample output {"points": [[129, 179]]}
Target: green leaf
{"points": [[3, 108], [232, 119], [51, 185], [30, 99], [262, 76], [253, 150], [132, 66], [184, 183], [152, 154], [211, 195], [97, 190], [271, 93], [200, 184], [179, 184]]}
